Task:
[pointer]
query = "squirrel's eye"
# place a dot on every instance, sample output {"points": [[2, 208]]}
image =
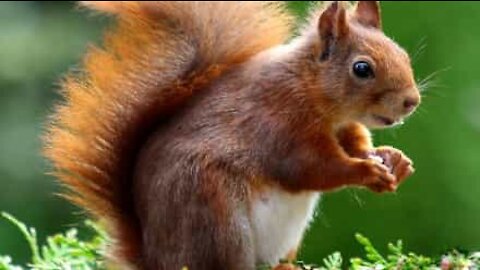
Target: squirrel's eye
{"points": [[362, 70]]}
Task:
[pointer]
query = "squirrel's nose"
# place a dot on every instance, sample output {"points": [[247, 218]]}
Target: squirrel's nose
{"points": [[410, 103]]}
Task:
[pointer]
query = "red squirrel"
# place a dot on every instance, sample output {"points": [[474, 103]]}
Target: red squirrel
{"points": [[202, 134]]}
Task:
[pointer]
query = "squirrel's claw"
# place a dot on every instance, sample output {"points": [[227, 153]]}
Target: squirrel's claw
{"points": [[399, 165]]}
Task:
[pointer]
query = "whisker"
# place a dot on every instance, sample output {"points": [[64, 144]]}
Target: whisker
{"points": [[419, 49], [433, 74], [428, 81], [421, 111]]}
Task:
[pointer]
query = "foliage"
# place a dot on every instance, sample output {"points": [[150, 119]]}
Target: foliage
{"points": [[398, 259], [68, 252], [61, 251]]}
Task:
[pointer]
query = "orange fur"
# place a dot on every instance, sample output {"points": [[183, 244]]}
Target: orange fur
{"points": [[150, 64], [203, 106]]}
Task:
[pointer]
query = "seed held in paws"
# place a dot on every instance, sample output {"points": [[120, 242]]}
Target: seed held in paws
{"points": [[398, 163], [376, 158]]}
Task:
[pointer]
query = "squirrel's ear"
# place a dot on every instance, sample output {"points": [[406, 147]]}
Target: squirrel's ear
{"points": [[333, 21], [367, 13], [332, 26]]}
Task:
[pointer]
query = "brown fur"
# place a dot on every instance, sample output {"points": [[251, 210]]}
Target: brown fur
{"points": [[191, 109], [151, 63]]}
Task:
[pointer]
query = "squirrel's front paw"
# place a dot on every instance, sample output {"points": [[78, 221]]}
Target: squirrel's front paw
{"points": [[377, 176], [398, 164]]}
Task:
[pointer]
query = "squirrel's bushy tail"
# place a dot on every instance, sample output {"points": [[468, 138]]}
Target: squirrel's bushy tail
{"points": [[156, 57]]}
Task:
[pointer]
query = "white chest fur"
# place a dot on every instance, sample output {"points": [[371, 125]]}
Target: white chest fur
{"points": [[279, 220]]}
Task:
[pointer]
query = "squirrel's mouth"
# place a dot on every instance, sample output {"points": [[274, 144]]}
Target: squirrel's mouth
{"points": [[386, 121]]}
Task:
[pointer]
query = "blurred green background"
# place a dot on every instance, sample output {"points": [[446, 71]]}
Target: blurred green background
{"points": [[437, 209]]}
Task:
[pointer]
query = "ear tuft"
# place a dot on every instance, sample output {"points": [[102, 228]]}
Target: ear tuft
{"points": [[333, 21], [367, 13], [332, 26]]}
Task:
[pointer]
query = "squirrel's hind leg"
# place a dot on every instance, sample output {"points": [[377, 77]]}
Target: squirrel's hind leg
{"points": [[193, 216]]}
